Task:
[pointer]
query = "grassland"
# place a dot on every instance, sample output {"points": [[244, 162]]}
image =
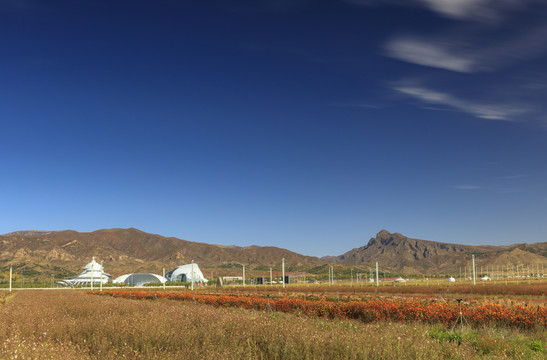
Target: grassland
{"points": [[75, 325], [536, 290]]}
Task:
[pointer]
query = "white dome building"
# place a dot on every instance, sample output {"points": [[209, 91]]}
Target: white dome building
{"points": [[138, 279], [93, 273], [183, 273]]}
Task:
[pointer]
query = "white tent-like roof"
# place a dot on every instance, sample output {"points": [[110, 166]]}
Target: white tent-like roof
{"points": [[138, 279], [93, 273], [183, 273]]}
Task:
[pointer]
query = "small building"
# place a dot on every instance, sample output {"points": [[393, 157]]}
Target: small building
{"points": [[231, 279]]}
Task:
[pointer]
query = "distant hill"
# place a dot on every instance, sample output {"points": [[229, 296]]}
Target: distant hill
{"points": [[40, 254], [400, 253], [130, 250]]}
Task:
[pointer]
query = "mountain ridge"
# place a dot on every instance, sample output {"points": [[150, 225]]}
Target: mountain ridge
{"points": [[133, 250], [397, 251]]}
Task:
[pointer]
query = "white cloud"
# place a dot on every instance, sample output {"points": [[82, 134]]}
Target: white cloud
{"points": [[464, 55], [464, 9], [510, 177], [483, 111], [466, 187], [429, 53], [481, 10]]}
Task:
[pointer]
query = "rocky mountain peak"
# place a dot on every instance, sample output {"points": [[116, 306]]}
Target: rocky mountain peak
{"points": [[382, 234], [382, 238]]}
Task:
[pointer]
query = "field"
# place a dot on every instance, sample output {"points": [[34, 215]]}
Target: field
{"points": [[72, 324]]}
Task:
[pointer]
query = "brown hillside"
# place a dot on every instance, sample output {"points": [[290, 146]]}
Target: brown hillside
{"points": [[132, 250], [400, 253], [39, 254]]}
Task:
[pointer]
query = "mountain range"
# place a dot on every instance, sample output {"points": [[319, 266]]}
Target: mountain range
{"points": [[406, 255], [63, 253], [130, 250]]}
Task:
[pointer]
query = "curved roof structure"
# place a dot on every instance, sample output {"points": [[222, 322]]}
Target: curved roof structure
{"points": [[93, 273], [138, 279], [184, 273], [121, 279]]}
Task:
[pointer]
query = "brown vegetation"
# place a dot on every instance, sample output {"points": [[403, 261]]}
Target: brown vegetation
{"points": [[70, 324], [537, 290]]}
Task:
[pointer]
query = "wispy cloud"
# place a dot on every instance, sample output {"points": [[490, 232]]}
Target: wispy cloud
{"points": [[466, 187], [492, 189], [461, 54], [467, 9], [511, 177], [478, 10], [499, 50], [428, 53], [483, 111]]}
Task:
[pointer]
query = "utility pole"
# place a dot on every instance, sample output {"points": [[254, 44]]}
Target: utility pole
{"points": [[271, 277], [10, 274], [192, 275], [243, 275], [377, 280], [283, 270], [92, 271], [101, 278], [474, 281]]}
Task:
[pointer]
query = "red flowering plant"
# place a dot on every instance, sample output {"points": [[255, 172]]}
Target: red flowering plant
{"points": [[374, 309]]}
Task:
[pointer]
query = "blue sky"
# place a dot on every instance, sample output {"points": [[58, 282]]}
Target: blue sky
{"points": [[308, 125]]}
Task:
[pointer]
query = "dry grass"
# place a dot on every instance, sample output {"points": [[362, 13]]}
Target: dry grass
{"points": [[70, 324], [538, 289]]}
